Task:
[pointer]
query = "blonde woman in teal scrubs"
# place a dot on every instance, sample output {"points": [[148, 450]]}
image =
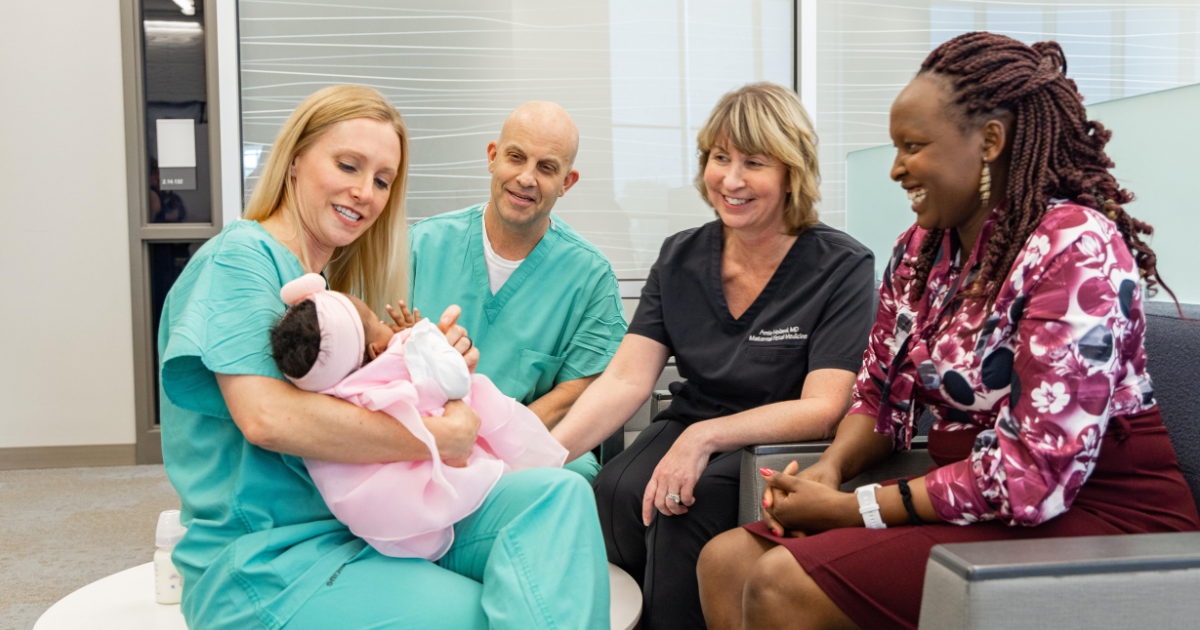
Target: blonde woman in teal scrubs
{"points": [[262, 550]]}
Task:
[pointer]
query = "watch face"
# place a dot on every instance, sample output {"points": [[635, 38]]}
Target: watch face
{"points": [[866, 492]]}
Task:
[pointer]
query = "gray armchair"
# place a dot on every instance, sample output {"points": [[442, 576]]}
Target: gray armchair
{"points": [[778, 456], [1137, 581]]}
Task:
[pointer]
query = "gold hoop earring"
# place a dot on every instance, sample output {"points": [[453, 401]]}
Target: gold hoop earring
{"points": [[985, 184]]}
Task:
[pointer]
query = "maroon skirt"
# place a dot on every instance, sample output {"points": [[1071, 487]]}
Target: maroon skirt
{"points": [[876, 576]]}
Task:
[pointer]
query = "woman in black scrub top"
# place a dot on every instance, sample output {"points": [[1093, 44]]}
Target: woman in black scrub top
{"points": [[767, 312]]}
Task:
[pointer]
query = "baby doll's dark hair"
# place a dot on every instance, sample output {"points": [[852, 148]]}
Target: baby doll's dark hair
{"points": [[296, 340]]}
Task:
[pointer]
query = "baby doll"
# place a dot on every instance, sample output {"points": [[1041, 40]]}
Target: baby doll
{"points": [[332, 343]]}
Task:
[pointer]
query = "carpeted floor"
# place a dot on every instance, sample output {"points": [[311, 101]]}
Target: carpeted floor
{"points": [[61, 529]]}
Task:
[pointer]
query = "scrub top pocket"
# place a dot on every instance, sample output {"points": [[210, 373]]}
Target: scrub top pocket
{"points": [[795, 351], [538, 369]]}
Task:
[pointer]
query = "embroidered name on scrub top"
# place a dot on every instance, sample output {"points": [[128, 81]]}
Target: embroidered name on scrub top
{"points": [[779, 334]]}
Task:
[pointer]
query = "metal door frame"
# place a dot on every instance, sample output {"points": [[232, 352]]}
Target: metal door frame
{"points": [[141, 233]]}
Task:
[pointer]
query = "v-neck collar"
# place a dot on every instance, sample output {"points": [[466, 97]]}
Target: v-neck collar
{"points": [[956, 266], [717, 295], [495, 304]]}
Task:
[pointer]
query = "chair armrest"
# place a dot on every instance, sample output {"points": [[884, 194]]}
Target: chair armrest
{"points": [[777, 456], [657, 398], [1124, 581]]}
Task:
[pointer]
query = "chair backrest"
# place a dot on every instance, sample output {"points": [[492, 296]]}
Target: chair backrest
{"points": [[1173, 360]]}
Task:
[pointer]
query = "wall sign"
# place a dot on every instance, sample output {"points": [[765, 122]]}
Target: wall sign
{"points": [[176, 153]]}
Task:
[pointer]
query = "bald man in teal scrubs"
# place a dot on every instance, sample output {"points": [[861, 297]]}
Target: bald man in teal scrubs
{"points": [[540, 302]]}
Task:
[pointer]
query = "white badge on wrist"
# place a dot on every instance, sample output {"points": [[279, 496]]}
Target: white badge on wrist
{"points": [[869, 507]]}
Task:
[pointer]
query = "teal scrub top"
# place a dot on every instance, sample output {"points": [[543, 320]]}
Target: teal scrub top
{"points": [[260, 539], [557, 318]]}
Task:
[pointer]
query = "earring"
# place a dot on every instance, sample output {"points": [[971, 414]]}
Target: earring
{"points": [[985, 184]]}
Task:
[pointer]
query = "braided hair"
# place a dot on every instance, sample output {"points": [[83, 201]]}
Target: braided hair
{"points": [[1056, 153]]}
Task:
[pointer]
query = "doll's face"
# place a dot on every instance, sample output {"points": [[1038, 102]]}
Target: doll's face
{"points": [[378, 334]]}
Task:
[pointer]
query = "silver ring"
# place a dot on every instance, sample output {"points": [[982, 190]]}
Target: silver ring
{"points": [[675, 497]]}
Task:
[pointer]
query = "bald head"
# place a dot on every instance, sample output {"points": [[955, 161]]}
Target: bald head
{"points": [[532, 166], [547, 122]]}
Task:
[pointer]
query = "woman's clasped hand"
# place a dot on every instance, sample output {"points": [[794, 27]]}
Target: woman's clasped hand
{"points": [[799, 502]]}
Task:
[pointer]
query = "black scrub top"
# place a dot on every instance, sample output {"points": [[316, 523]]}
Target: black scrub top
{"points": [[816, 312]]}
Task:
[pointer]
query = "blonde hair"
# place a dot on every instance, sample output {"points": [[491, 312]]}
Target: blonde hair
{"points": [[373, 266], [768, 119]]}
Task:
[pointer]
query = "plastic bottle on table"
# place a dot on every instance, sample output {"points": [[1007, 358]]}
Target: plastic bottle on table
{"points": [[168, 581]]}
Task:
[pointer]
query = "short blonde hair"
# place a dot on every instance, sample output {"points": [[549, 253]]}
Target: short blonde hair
{"points": [[373, 267], [768, 119]]}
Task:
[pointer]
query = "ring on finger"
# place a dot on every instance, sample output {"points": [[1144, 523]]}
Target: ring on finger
{"points": [[674, 497], [470, 344]]}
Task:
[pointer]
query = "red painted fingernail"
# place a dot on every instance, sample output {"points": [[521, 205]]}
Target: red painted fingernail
{"points": [[766, 472], [764, 503]]}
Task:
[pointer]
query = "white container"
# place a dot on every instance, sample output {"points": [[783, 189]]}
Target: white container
{"points": [[168, 581]]}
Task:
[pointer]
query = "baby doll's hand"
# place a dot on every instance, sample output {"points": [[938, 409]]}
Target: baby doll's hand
{"points": [[405, 319]]}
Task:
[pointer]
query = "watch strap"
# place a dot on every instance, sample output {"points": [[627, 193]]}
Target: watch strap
{"points": [[868, 506]]}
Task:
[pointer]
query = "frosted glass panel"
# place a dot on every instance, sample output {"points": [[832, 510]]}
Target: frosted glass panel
{"points": [[868, 51], [1153, 147], [639, 78]]}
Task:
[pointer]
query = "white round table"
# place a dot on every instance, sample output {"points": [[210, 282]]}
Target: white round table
{"points": [[125, 601]]}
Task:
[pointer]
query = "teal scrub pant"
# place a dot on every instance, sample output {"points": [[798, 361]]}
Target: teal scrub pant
{"points": [[530, 557], [586, 465]]}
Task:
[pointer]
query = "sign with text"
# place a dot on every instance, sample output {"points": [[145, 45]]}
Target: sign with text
{"points": [[176, 153]]}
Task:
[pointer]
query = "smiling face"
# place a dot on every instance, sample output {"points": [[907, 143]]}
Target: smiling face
{"points": [[531, 165], [938, 162], [747, 191], [343, 181]]}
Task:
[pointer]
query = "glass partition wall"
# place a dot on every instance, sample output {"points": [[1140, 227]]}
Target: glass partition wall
{"points": [[867, 51], [638, 77]]}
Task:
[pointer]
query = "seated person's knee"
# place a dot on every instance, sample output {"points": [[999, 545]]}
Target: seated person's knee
{"points": [[723, 551], [776, 575]]}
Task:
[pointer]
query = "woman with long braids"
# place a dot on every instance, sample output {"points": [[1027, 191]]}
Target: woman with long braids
{"points": [[1012, 310]]}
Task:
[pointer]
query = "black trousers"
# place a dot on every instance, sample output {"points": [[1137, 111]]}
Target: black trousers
{"points": [[662, 557]]}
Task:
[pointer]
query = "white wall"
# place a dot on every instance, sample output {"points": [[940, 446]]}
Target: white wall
{"points": [[66, 350]]}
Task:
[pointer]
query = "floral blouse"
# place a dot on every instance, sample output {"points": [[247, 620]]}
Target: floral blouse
{"points": [[1042, 371]]}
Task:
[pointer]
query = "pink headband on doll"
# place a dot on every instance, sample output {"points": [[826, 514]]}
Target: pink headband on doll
{"points": [[342, 334]]}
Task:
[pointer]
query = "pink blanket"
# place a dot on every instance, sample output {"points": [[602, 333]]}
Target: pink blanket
{"points": [[408, 509]]}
